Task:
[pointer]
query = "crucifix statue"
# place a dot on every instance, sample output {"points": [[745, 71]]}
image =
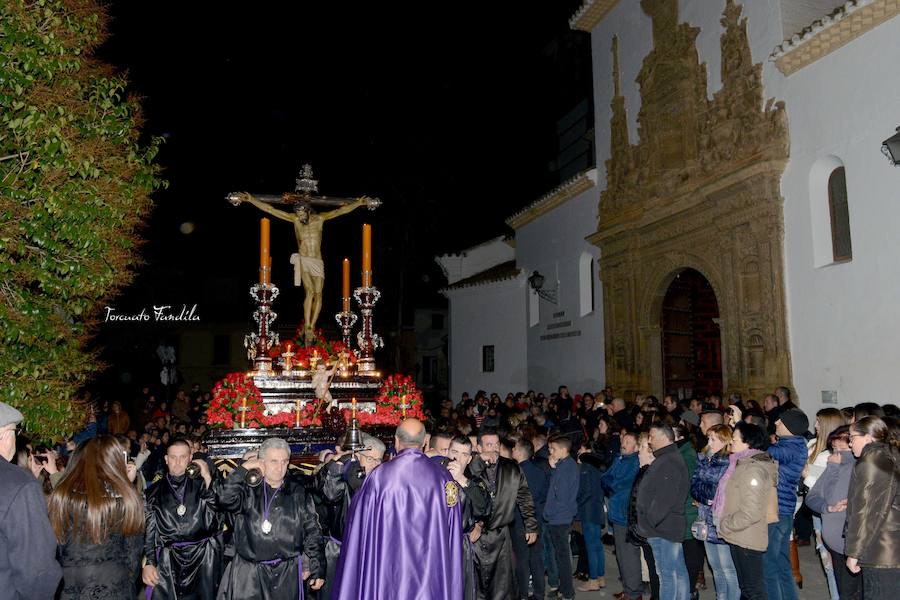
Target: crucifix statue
{"points": [[309, 270]]}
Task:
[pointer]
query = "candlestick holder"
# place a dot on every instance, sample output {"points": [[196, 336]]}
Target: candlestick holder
{"points": [[288, 362], [343, 363], [346, 320], [243, 409], [259, 343], [366, 339], [403, 406]]}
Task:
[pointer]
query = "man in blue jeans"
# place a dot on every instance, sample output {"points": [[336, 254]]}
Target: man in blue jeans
{"points": [[529, 558], [592, 517], [561, 509], [617, 483], [660, 512], [791, 454]]}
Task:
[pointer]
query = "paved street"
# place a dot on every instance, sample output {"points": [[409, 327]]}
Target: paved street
{"points": [[814, 586]]}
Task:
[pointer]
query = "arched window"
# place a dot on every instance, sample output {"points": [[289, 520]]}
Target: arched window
{"points": [[585, 284], [829, 212], [534, 308], [840, 216]]}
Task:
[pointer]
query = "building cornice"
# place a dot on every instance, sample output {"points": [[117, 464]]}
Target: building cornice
{"points": [[824, 36], [565, 191], [590, 14], [503, 272]]}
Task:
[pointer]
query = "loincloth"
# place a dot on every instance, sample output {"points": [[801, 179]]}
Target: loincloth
{"points": [[314, 267]]}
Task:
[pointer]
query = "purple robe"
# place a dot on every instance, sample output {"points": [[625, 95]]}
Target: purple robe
{"points": [[403, 539]]}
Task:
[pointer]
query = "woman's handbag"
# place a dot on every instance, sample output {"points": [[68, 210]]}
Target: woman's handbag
{"points": [[704, 526]]}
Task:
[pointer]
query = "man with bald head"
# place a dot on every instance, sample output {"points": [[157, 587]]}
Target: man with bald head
{"points": [[403, 538], [618, 410]]}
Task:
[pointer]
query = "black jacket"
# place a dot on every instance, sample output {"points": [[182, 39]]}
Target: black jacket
{"points": [[632, 535], [873, 507], [511, 491], [336, 483], [661, 496], [475, 500], [590, 491], [28, 568]]}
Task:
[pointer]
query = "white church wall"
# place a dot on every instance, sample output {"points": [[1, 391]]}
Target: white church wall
{"points": [[565, 341], [843, 317], [491, 314]]}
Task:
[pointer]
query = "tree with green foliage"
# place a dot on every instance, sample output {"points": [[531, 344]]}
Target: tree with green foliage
{"points": [[75, 185]]}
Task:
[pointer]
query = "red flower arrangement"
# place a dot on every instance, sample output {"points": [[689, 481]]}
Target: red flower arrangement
{"points": [[229, 395], [399, 390], [309, 417], [326, 350], [228, 398], [382, 417]]}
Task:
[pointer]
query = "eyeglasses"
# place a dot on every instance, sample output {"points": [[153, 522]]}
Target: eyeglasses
{"points": [[855, 435]]}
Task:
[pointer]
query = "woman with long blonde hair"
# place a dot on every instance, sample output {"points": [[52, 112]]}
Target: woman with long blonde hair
{"points": [[827, 420], [98, 518]]}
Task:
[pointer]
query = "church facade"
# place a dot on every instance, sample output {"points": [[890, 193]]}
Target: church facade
{"points": [[744, 219], [752, 165]]}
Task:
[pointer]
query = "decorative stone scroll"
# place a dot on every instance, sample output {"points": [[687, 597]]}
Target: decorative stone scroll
{"points": [[700, 189]]}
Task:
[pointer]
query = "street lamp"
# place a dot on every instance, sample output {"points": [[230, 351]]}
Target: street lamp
{"points": [[536, 281], [891, 148]]}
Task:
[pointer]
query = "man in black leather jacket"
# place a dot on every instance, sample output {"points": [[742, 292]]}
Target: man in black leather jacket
{"points": [[509, 489], [337, 482]]}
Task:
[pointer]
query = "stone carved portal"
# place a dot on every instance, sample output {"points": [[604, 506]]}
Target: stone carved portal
{"points": [[700, 190]]}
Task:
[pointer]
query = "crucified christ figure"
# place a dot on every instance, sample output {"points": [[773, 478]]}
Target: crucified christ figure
{"points": [[308, 229]]}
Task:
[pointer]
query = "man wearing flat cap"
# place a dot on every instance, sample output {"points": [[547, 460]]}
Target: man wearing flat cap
{"points": [[28, 567]]}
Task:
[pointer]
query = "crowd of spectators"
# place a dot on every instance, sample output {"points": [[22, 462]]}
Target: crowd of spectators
{"points": [[671, 485], [682, 483]]}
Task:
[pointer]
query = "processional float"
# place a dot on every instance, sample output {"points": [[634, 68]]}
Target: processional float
{"points": [[290, 385]]}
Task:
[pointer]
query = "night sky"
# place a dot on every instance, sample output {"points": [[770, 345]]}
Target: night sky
{"points": [[446, 112]]}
